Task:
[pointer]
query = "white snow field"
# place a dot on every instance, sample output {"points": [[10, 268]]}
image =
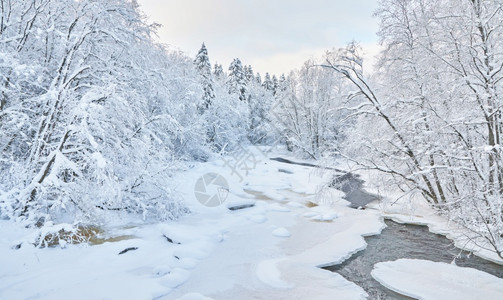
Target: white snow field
{"points": [[424, 279], [272, 250]]}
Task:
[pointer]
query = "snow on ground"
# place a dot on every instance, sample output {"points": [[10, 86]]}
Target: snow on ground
{"points": [[269, 251], [423, 279]]}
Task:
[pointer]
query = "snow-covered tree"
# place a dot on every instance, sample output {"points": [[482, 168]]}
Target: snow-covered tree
{"points": [[306, 113], [431, 124], [260, 102], [258, 79], [249, 75], [218, 71], [226, 121], [282, 83], [94, 113], [267, 83], [275, 83], [236, 81], [203, 66]]}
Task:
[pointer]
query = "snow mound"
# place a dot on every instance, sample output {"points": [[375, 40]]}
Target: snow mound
{"points": [[424, 279], [281, 232], [194, 296]]}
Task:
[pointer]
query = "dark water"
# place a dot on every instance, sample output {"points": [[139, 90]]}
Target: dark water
{"points": [[405, 241], [352, 186]]}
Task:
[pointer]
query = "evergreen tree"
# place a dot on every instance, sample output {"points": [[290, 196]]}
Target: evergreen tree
{"points": [[275, 84], [282, 83], [258, 79], [203, 66], [236, 83], [267, 84], [218, 71], [249, 73]]}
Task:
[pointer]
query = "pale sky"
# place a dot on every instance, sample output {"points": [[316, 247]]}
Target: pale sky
{"points": [[273, 36]]}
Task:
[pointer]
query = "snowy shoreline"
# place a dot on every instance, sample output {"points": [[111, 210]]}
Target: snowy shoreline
{"points": [[273, 248]]}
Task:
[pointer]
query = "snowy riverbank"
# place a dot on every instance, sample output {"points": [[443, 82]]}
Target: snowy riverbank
{"points": [[272, 250]]}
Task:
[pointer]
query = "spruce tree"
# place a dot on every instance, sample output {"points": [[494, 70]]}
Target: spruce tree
{"points": [[203, 66], [218, 71], [267, 84], [258, 79], [236, 83], [249, 73], [275, 84], [282, 83]]}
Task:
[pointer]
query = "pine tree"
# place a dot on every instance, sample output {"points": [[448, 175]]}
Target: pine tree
{"points": [[236, 82], [203, 66]]}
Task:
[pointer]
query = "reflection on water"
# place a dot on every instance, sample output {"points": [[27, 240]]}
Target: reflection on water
{"points": [[405, 241]]}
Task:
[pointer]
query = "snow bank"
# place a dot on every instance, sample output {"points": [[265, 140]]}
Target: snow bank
{"points": [[424, 279], [281, 232]]}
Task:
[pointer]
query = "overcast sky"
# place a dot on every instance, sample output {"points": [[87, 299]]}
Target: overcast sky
{"points": [[273, 36]]}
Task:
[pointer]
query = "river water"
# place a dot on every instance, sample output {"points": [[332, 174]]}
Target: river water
{"points": [[405, 241]]}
